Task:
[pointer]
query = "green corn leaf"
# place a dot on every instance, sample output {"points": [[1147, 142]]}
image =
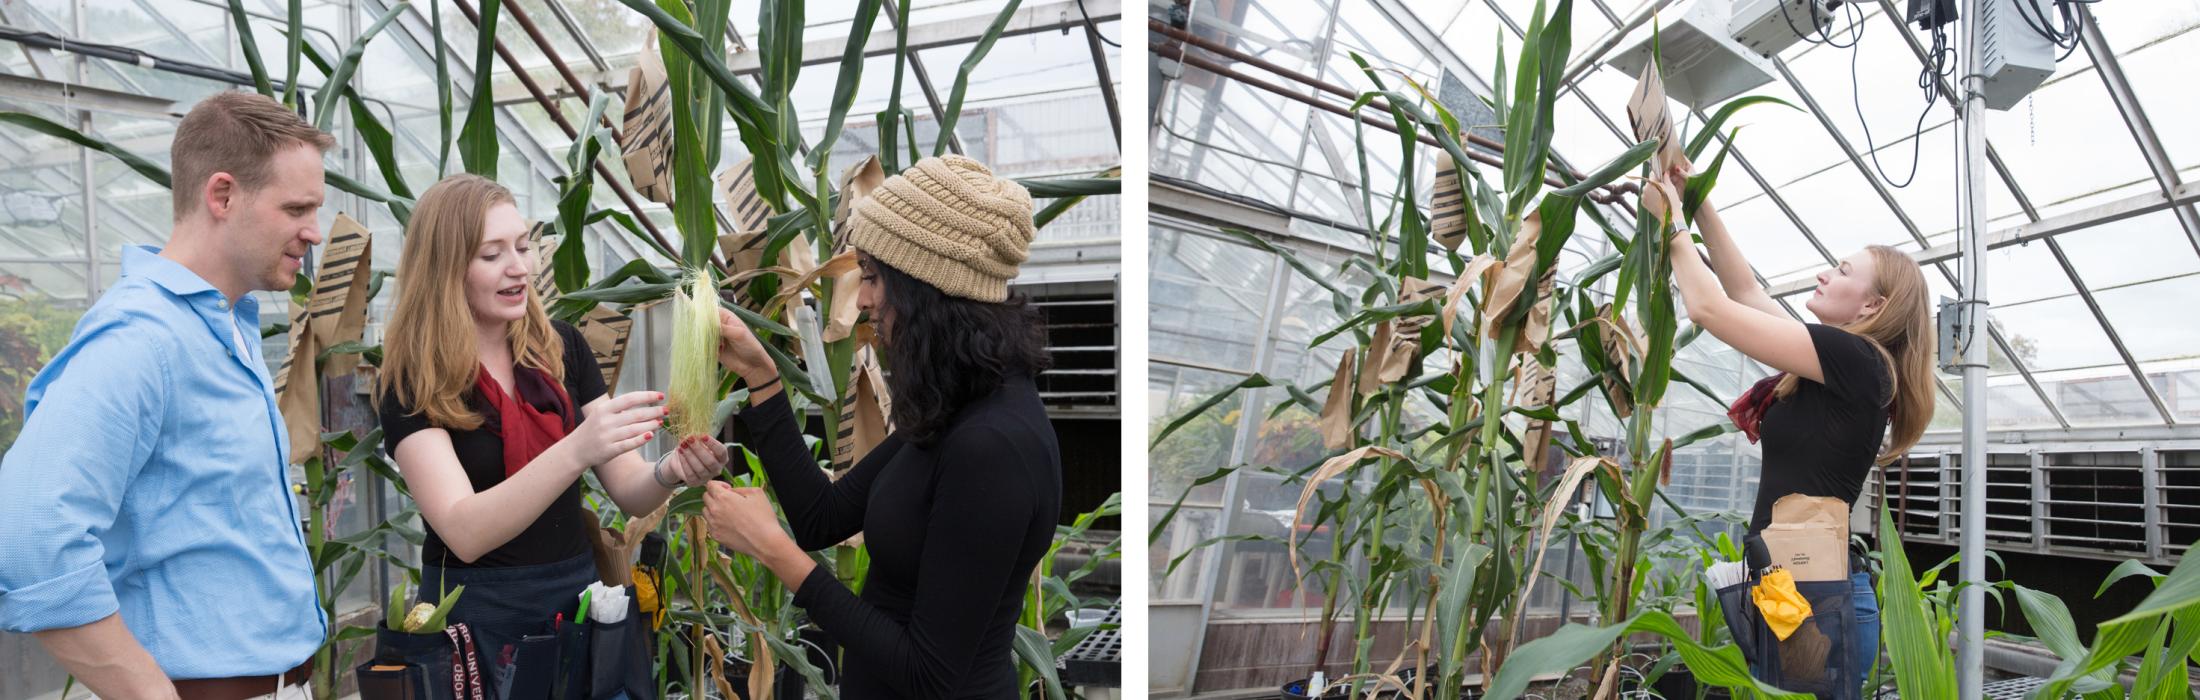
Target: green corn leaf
{"points": [[151, 170], [1038, 655], [1698, 188], [339, 78], [250, 46], [1718, 119], [844, 90], [1573, 644], [1704, 433], [297, 42], [1625, 163], [894, 115], [1922, 667], [978, 50], [2130, 567], [2180, 590], [477, 140], [1252, 382], [442, 91]]}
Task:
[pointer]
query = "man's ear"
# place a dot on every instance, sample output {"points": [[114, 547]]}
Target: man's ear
{"points": [[220, 196]]}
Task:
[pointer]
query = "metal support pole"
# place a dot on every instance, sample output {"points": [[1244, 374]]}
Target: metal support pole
{"points": [[1971, 615]]}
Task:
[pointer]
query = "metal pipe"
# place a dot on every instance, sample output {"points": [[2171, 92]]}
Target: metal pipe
{"points": [[1971, 613], [550, 107], [1187, 38], [1107, 83], [1203, 63]]}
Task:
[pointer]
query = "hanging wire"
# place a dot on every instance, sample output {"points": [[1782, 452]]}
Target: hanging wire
{"points": [[1090, 28]]}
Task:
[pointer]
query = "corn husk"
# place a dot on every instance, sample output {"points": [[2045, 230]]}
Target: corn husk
{"points": [[693, 395]]}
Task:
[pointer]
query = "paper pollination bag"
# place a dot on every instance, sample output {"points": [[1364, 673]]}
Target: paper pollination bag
{"points": [[645, 136], [866, 411], [856, 185], [1651, 115], [750, 217], [336, 314], [1809, 536]]}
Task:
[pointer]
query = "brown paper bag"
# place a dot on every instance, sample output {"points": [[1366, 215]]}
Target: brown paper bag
{"points": [[1509, 281], [856, 185], [546, 247], [1405, 338], [646, 135], [1448, 205], [1378, 354], [1336, 418], [865, 410], [298, 389], [1809, 536], [339, 304], [1652, 118], [607, 331], [751, 219]]}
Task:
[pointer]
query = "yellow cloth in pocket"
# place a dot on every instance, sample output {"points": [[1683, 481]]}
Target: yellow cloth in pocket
{"points": [[1784, 607]]}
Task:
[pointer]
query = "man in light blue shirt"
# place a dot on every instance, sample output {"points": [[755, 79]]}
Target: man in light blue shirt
{"points": [[150, 540]]}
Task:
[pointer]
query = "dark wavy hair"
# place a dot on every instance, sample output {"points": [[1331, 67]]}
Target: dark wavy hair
{"points": [[943, 352]]}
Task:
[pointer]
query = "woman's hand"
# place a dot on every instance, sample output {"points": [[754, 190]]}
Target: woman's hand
{"points": [[625, 423], [740, 352], [742, 519], [699, 459]]}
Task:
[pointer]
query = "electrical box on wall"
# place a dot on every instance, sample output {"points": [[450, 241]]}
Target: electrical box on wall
{"points": [[1703, 63], [1770, 26], [2014, 57]]}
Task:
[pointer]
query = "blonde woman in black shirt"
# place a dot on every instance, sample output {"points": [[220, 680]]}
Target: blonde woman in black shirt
{"points": [[958, 504], [493, 411], [1853, 390]]}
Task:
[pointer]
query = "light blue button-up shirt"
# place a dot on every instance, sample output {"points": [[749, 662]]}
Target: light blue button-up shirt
{"points": [[149, 480]]}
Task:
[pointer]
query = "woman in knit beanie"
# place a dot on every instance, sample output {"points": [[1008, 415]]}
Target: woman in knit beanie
{"points": [[959, 502]]}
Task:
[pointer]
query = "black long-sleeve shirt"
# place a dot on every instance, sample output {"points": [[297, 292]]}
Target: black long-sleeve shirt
{"points": [[953, 530]]}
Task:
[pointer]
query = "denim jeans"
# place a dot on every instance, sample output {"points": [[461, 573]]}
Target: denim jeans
{"points": [[1864, 647]]}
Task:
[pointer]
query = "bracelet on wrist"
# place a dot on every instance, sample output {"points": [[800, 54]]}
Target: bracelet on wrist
{"points": [[657, 472]]}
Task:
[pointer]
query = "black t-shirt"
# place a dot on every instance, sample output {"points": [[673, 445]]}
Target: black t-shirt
{"points": [[1823, 439], [560, 533], [954, 530]]}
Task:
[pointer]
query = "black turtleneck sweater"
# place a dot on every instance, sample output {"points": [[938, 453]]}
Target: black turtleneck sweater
{"points": [[954, 530]]}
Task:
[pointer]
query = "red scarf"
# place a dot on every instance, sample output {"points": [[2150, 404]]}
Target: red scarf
{"points": [[526, 431], [1749, 409]]}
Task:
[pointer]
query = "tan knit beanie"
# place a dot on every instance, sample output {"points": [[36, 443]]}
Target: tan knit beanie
{"points": [[950, 222]]}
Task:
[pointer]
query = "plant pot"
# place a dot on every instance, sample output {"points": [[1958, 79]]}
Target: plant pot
{"points": [[786, 682]]}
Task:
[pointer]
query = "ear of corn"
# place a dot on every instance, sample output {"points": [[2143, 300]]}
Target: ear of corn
{"points": [[693, 396]]}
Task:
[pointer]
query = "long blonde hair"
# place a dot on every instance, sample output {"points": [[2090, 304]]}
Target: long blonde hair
{"points": [[430, 357], [1902, 332]]}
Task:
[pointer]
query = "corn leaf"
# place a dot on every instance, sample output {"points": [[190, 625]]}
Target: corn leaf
{"points": [[250, 46], [339, 78], [297, 41], [1253, 382], [1718, 119], [978, 50], [851, 72], [149, 169], [1922, 666], [477, 140], [1573, 644]]}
